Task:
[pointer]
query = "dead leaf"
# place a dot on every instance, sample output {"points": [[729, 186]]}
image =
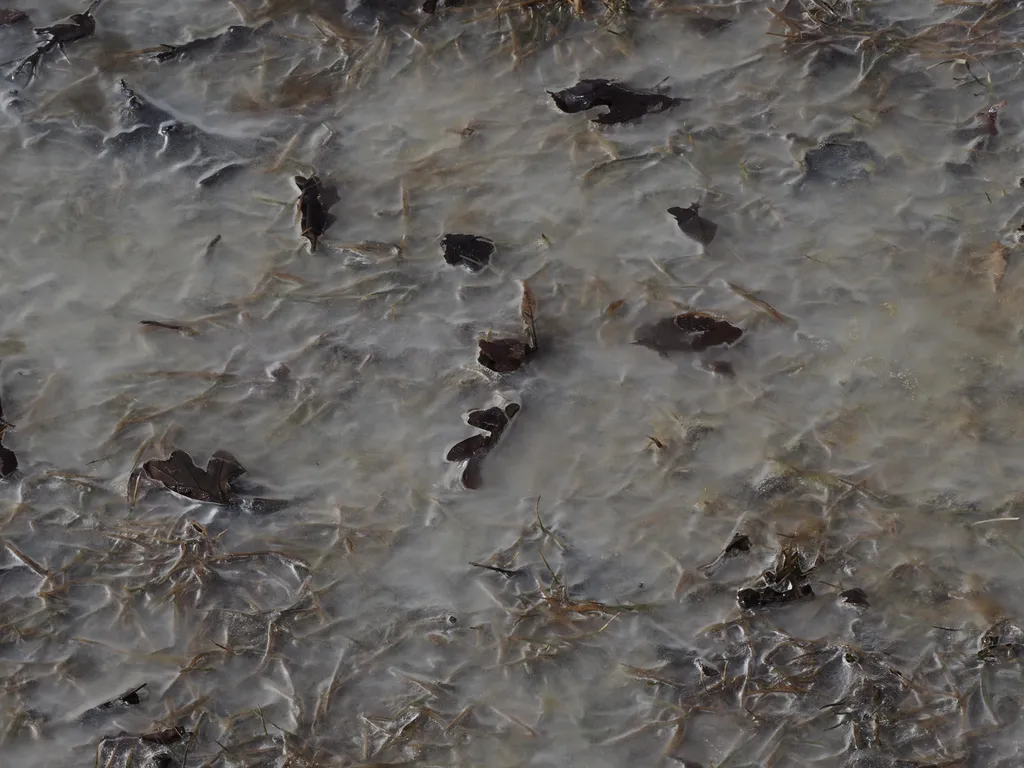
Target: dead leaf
{"points": [[180, 474]]}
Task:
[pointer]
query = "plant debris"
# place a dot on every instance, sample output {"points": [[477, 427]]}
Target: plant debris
{"points": [[508, 355], [312, 210], [232, 39], [693, 225], [472, 450], [840, 160], [785, 583], [705, 25], [508, 573], [738, 545], [182, 329], [129, 698], [470, 251], [75, 27], [688, 332], [855, 596], [8, 459], [430, 6], [624, 104], [1003, 641], [180, 474], [147, 750], [11, 16]]}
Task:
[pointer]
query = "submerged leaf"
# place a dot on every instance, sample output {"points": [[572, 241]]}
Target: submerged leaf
{"points": [[491, 419], [181, 475], [624, 104], [839, 160], [8, 461], [470, 251], [740, 543], [312, 210], [471, 477], [129, 698], [470, 447], [706, 25], [473, 449], [855, 596], [785, 583], [693, 225], [504, 355], [688, 332], [9, 16]]}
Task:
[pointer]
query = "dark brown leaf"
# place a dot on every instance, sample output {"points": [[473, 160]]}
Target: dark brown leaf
{"points": [[491, 419], [855, 596], [688, 332], [470, 251], [8, 461], [312, 210], [469, 448], [840, 160], [740, 543], [127, 699], [180, 474], [766, 597], [223, 469], [705, 25], [471, 475], [182, 329], [624, 104], [693, 225], [473, 449], [503, 355], [785, 583]]}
